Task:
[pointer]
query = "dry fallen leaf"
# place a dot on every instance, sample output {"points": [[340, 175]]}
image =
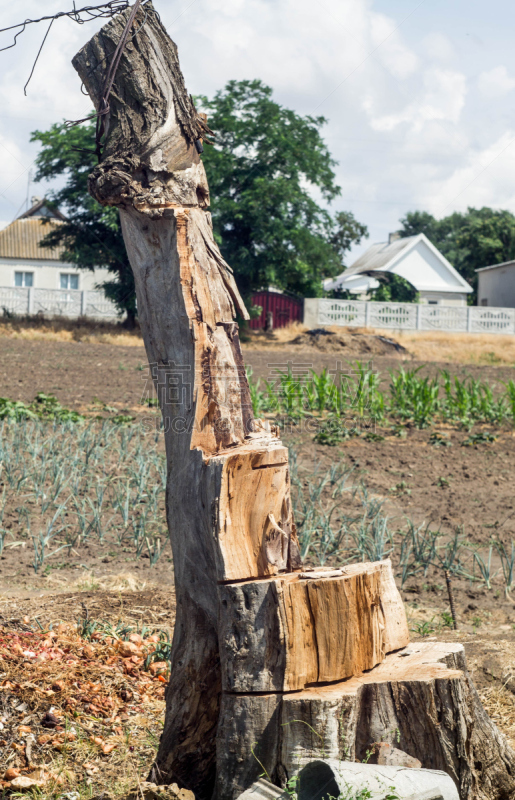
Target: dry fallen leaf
{"points": [[11, 773], [24, 782], [24, 729], [97, 740], [46, 737]]}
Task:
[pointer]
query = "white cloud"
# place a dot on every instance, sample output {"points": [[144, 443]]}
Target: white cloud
{"points": [[402, 124], [438, 47], [441, 97], [394, 54], [485, 178], [495, 83]]}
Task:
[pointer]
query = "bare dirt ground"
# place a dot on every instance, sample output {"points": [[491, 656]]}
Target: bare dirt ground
{"points": [[447, 486], [77, 373]]}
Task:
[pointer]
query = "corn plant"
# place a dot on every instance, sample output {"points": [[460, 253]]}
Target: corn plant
{"points": [[510, 393]]}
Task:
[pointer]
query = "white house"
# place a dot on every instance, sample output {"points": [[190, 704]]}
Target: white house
{"points": [[496, 285], [23, 263], [414, 258]]}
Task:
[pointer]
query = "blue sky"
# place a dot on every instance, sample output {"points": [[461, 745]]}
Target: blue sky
{"points": [[420, 97]]}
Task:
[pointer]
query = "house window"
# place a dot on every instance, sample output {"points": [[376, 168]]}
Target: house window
{"points": [[23, 278], [69, 280], [432, 302], [484, 301]]}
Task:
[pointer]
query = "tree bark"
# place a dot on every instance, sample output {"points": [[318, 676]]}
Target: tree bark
{"points": [[421, 701], [226, 473]]}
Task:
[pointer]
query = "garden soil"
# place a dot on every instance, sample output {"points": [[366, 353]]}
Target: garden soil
{"points": [[447, 486]]}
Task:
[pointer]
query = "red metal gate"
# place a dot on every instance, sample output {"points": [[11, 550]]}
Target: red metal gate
{"points": [[285, 309]]}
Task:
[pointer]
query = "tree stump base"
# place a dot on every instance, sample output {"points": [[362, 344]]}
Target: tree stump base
{"points": [[420, 699]]}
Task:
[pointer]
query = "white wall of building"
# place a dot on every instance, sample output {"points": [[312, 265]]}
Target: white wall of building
{"points": [[47, 274], [422, 268], [496, 286]]}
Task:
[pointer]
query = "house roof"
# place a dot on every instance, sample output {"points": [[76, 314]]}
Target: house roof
{"points": [[383, 256], [496, 266], [22, 237], [378, 256]]}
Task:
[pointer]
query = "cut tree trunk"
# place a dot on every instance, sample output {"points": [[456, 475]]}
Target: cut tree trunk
{"points": [[285, 636], [420, 700], [286, 632], [226, 473]]}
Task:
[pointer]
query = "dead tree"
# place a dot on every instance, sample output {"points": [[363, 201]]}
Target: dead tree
{"points": [[258, 644]]}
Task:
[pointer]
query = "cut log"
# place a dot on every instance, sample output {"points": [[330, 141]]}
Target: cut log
{"points": [[284, 633], [421, 700]]}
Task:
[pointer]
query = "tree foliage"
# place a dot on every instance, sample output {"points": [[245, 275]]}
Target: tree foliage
{"points": [[394, 289], [91, 235], [469, 240], [265, 169]]}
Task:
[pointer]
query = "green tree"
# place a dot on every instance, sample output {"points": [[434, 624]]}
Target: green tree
{"points": [[469, 240], [91, 234], [394, 289], [265, 168]]}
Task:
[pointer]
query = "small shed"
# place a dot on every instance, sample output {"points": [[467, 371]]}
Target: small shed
{"points": [[496, 285], [285, 308], [413, 258]]}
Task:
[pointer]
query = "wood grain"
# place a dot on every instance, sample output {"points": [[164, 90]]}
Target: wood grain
{"points": [[287, 632]]}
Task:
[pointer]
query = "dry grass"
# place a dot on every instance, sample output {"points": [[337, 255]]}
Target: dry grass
{"points": [[63, 330], [499, 704], [458, 348], [89, 582]]}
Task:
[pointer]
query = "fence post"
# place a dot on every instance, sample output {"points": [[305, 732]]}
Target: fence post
{"points": [[30, 300], [83, 303], [419, 316], [469, 319], [367, 314], [311, 312]]}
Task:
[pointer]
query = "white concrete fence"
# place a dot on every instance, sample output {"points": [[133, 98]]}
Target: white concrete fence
{"points": [[320, 312], [56, 302]]}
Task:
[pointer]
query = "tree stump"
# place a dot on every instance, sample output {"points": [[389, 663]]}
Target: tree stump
{"points": [[270, 664], [420, 700]]}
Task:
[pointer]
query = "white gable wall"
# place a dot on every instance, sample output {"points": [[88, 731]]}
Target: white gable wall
{"points": [[430, 276], [47, 273]]}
